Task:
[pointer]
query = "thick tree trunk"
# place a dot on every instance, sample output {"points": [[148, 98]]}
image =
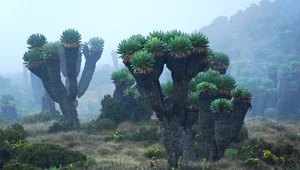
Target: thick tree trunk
{"points": [[171, 135], [205, 137], [66, 104], [227, 126], [71, 55], [273, 77], [37, 85]]}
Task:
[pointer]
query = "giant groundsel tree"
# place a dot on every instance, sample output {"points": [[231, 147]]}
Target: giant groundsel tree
{"points": [[47, 60], [181, 102]]}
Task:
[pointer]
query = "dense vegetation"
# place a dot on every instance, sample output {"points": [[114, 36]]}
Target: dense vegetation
{"points": [[179, 103]]}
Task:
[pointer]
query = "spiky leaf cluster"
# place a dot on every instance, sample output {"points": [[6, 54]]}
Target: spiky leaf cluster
{"points": [[122, 76], [272, 68], [268, 83], [192, 100], [7, 100], [292, 85], [295, 66], [261, 90], [225, 84], [241, 94], [273, 92], [96, 43], [167, 88], [51, 51], [284, 68], [221, 106], [245, 73], [131, 91], [156, 46], [36, 41], [207, 88], [142, 62], [156, 34], [70, 38], [209, 76], [32, 58], [252, 82], [172, 34], [127, 47], [193, 85], [199, 42], [180, 46], [220, 60], [139, 38]]}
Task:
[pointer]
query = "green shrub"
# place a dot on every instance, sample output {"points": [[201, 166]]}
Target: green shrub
{"points": [[15, 165], [154, 153], [58, 126], [118, 136], [46, 155], [147, 134], [271, 112], [37, 117], [112, 109], [104, 124]]}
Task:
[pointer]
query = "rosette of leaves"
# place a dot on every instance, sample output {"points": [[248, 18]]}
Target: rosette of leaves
{"points": [[142, 62], [209, 76], [122, 76], [207, 88], [220, 61], [199, 42], [284, 68], [167, 88], [156, 46], [262, 91], [70, 38], [273, 92], [51, 51], [267, 83], [252, 82], [295, 66], [225, 84], [139, 38], [7, 100], [272, 68], [127, 47], [193, 100], [156, 34], [292, 86], [193, 85], [171, 35], [221, 106], [245, 74], [36, 41], [241, 94], [96, 44], [180, 46], [131, 91], [32, 58]]}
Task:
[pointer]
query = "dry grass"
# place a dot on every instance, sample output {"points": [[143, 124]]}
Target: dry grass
{"points": [[129, 155], [272, 130]]}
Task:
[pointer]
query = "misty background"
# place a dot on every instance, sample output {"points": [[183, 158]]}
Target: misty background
{"points": [[112, 20]]}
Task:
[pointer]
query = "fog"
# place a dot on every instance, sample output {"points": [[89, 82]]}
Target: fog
{"points": [[112, 20]]}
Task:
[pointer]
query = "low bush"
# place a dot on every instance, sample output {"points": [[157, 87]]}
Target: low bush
{"points": [[46, 155]]}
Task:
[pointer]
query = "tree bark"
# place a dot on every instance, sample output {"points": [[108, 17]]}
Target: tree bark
{"points": [[88, 71]]}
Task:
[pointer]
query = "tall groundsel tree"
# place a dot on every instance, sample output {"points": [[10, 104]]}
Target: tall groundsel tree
{"points": [[175, 104], [45, 63]]}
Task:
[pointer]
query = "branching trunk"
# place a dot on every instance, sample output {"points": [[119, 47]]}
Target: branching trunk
{"points": [[66, 104], [91, 56], [71, 55]]}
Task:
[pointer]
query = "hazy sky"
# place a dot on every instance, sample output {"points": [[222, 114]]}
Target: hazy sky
{"points": [[113, 20]]}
